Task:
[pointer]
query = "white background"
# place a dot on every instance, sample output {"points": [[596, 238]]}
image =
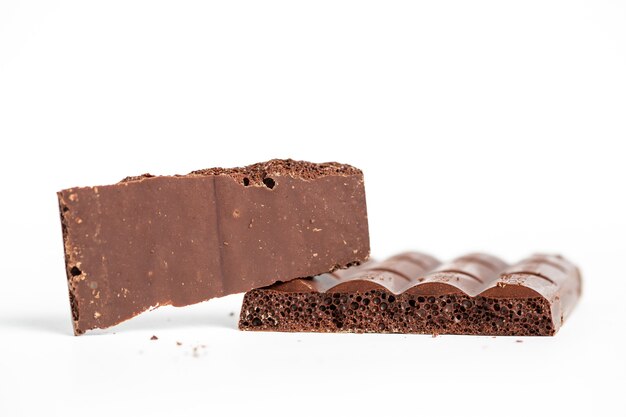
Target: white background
{"points": [[480, 125]]}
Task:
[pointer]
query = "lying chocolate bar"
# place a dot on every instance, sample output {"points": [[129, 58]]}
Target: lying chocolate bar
{"points": [[475, 294], [177, 240]]}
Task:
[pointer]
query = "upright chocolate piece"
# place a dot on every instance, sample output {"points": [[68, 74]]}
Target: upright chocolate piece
{"points": [[177, 240], [412, 293]]}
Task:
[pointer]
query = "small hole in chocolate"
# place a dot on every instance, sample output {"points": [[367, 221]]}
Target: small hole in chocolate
{"points": [[246, 181], [269, 182], [75, 271]]}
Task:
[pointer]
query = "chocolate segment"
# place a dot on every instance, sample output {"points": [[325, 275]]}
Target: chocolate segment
{"points": [[177, 240], [476, 294]]}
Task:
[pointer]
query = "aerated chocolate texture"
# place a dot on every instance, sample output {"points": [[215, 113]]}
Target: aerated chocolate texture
{"points": [[475, 294], [177, 240]]}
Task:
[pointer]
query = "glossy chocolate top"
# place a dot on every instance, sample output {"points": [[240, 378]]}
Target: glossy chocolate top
{"points": [[476, 275]]}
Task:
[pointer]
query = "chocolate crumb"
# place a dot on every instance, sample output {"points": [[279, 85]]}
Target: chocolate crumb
{"points": [[179, 343], [232, 313], [154, 338], [519, 341], [197, 350]]}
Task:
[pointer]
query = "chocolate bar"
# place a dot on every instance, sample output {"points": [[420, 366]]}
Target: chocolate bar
{"points": [[150, 240], [475, 294]]}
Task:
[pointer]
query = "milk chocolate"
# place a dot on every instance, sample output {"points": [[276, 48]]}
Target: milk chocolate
{"points": [[150, 240], [476, 294]]}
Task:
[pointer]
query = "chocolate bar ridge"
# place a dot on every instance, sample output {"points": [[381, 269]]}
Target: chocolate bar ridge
{"points": [[414, 293], [149, 241]]}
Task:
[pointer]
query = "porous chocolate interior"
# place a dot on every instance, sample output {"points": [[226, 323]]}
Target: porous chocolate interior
{"points": [[382, 312], [413, 292]]}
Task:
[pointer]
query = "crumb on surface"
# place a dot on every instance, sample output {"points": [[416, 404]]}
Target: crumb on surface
{"points": [[519, 341], [154, 338], [198, 350]]}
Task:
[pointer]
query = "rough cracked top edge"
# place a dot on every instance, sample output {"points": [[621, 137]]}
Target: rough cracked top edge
{"points": [[260, 174]]}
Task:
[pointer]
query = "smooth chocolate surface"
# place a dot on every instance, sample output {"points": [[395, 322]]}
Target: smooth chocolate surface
{"points": [[177, 240], [475, 294]]}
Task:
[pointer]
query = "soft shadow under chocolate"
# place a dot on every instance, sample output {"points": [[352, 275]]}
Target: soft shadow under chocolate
{"points": [[149, 321]]}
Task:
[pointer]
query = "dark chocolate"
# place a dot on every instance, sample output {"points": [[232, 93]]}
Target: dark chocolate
{"points": [[177, 240], [475, 294]]}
